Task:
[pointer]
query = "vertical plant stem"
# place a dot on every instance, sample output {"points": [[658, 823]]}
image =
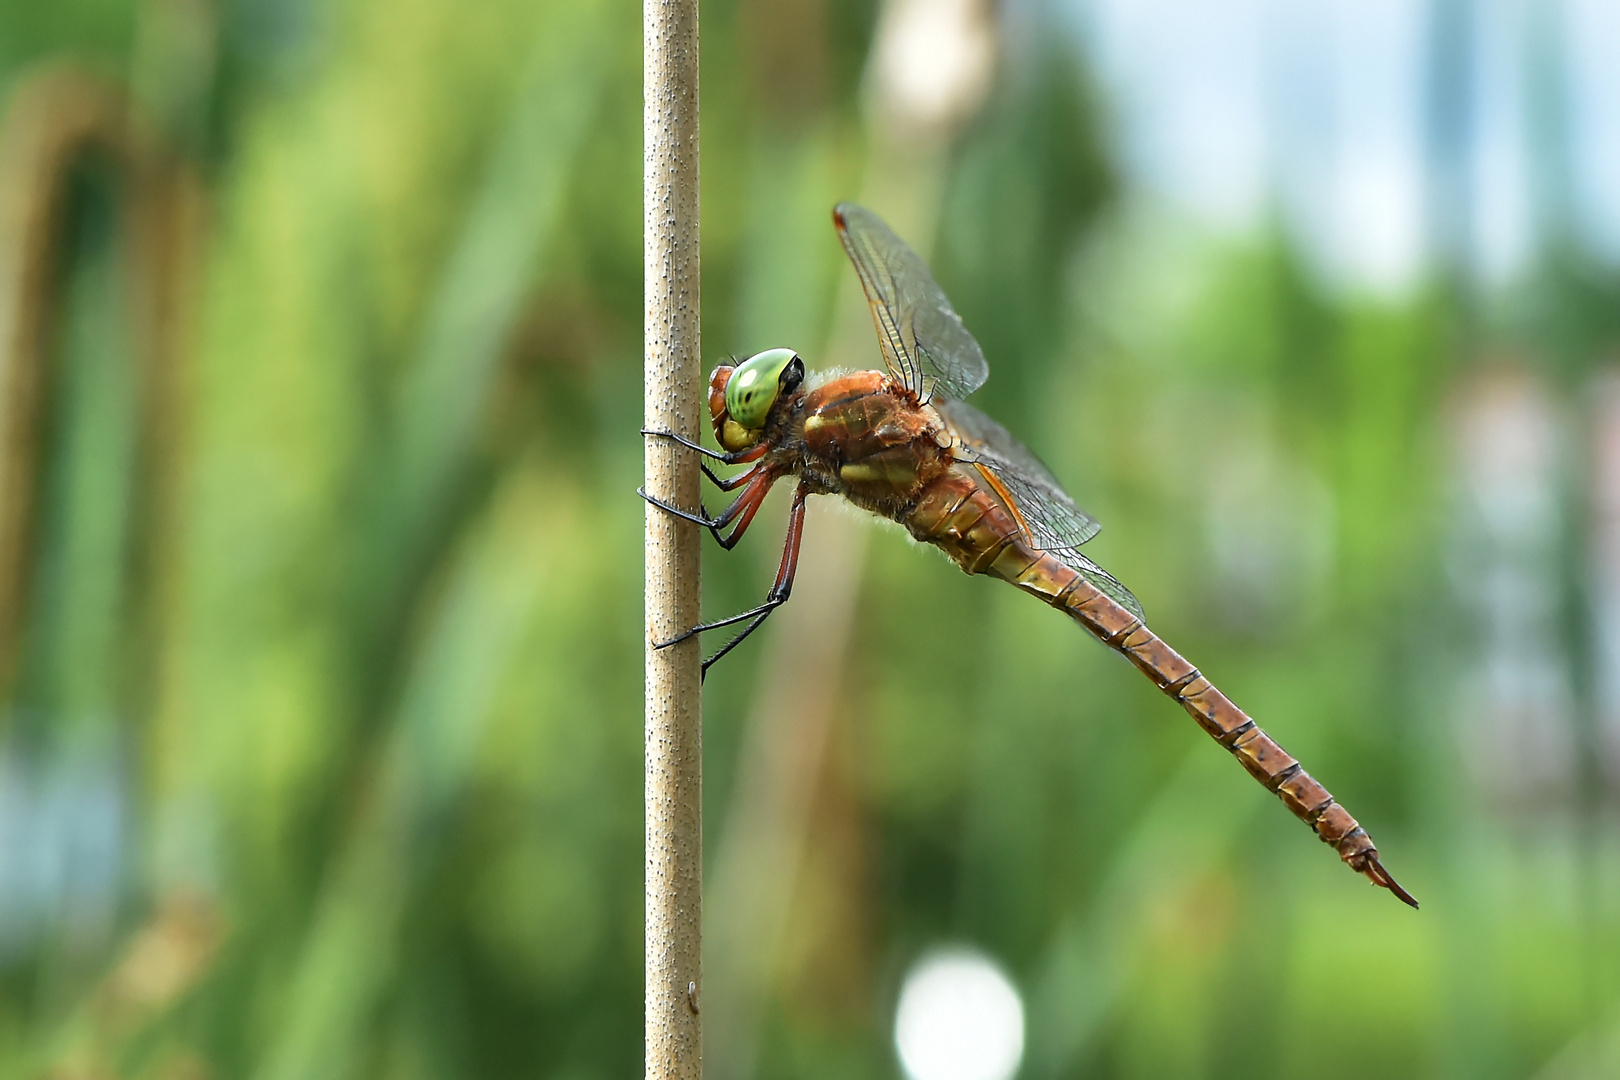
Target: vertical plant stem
{"points": [[673, 379]]}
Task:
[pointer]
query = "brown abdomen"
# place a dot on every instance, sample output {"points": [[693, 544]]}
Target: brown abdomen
{"points": [[976, 530]]}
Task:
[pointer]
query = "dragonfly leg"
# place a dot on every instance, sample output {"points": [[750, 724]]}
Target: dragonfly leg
{"points": [[781, 589], [688, 443], [739, 457], [702, 518], [744, 506], [728, 483], [724, 483]]}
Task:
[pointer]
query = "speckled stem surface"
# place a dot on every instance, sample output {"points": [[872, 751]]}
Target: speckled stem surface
{"points": [[673, 382]]}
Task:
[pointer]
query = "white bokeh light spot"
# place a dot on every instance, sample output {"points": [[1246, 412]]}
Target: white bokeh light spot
{"points": [[959, 1018]]}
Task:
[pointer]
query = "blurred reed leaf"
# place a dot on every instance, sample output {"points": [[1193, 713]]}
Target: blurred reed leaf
{"points": [[444, 391], [429, 748], [1085, 967], [350, 959]]}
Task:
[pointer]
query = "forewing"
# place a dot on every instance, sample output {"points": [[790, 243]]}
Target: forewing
{"points": [[924, 342], [1050, 518]]}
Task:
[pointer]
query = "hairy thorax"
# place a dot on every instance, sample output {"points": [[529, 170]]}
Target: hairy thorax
{"points": [[865, 437]]}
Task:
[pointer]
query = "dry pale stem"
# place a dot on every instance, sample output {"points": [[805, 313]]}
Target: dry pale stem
{"points": [[673, 381]]}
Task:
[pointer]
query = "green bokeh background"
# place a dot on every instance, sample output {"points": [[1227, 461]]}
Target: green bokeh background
{"points": [[327, 763]]}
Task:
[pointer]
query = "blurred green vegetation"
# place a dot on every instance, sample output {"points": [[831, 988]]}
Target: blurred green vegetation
{"points": [[322, 743]]}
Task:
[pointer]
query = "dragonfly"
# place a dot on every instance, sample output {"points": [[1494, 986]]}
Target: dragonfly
{"points": [[903, 443]]}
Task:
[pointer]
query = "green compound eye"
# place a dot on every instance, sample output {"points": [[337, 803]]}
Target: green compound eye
{"points": [[755, 384]]}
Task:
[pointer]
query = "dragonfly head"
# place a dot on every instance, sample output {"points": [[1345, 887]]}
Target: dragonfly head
{"points": [[741, 397]]}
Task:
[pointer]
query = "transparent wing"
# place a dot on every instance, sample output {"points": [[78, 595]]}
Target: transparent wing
{"points": [[1105, 582], [1049, 515], [924, 342], [1050, 518]]}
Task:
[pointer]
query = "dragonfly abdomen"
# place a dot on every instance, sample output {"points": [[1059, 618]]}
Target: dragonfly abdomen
{"points": [[957, 516], [977, 531], [983, 538], [1227, 724]]}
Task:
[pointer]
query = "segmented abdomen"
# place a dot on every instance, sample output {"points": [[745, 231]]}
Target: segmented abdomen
{"points": [[1226, 723], [976, 530]]}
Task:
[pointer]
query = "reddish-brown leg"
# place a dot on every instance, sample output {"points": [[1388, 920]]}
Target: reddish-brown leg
{"points": [[737, 457], [757, 482], [781, 589]]}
